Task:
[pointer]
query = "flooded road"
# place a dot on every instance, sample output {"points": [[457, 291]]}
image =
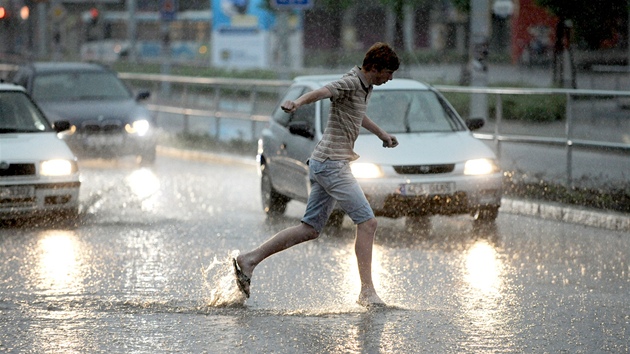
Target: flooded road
{"points": [[142, 269]]}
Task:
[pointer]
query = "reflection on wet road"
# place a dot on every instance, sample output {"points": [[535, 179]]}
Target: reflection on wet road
{"points": [[139, 273]]}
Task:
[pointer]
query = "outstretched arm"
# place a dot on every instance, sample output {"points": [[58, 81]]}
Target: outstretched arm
{"points": [[388, 139], [309, 97]]}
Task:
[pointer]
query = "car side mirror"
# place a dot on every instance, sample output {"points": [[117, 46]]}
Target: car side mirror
{"points": [[302, 129], [143, 95], [61, 125], [475, 123]]}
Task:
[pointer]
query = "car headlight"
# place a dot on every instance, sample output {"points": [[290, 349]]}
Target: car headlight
{"points": [[57, 167], [71, 131], [366, 170], [139, 127], [480, 167]]}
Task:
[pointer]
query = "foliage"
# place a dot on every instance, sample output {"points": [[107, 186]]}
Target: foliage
{"points": [[462, 5], [594, 21], [606, 197], [533, 108], [192, 70]]}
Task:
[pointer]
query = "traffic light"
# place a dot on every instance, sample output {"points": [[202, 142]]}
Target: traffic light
{"points": [[3, 13], [25, 12], [93, 15]]}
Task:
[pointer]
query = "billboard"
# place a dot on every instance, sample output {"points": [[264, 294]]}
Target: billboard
{"points": [[240, 34], [243, 35]]}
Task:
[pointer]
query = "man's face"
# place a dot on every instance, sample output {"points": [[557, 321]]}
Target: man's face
{"points": [[383, 76]]}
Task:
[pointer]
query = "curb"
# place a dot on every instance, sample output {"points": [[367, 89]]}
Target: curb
{"points": [[204, 156], [544, 210], [567, 213]]}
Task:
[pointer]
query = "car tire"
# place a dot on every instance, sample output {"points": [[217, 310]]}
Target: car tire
{"points": [[335, 219], [273, 203], [147, 158], [486, 214]]}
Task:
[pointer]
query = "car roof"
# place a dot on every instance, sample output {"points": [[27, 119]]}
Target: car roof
{"points": [[43, 67], [395, 84]]}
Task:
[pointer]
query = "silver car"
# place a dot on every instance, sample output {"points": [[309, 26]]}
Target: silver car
{"points": [[438, 168]]}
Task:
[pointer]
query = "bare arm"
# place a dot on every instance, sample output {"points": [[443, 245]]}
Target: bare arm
{"points": [[309, 97], [388, 139]]}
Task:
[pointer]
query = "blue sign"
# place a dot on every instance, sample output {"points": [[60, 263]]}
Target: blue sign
{"points": [[240, 13], [292, 4]]}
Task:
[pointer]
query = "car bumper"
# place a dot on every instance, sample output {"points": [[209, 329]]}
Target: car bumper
{"points": [[18, 199], [396, 197]]}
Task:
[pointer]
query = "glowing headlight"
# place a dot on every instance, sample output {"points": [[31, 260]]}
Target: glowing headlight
{"points": [[140, 127], [57, 168], [71, 131], [366, 170], [480, 167]]}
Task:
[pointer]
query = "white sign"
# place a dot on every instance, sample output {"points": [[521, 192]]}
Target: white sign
{"points": [[503, 8], [240, 48]]}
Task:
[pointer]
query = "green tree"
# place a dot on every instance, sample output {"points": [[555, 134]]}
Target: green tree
{"points": [[586, 22], [400, 8]]}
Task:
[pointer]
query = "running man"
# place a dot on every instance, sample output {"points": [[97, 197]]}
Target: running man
{"points": [[329, 170]]}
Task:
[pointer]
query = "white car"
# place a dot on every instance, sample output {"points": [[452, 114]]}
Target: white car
{"points": [[438, 168], [38, 172]]}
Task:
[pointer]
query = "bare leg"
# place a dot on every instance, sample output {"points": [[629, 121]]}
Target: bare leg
{"points": [[279, 242], [363, 248]]}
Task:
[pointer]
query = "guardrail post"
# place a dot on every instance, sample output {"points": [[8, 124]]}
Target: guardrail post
{"points": [[569, 138], [253, 99], [186, 123], [217, 115], [497, 123], [185, 105]]}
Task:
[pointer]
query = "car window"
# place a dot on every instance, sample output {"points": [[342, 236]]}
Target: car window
{"points": [[304, 114], [280, 116], [411, 111], [19, 115], [71, 86]]}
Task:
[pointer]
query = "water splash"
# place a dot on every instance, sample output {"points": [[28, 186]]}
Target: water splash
{"points": [[220, 283]]}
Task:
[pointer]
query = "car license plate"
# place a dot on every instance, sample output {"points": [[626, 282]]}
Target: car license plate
{"points": [[103, 140], [413, 189], [16, 192]]}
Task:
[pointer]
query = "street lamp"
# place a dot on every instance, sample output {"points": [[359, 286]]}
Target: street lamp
{"points": [[503, 8]]}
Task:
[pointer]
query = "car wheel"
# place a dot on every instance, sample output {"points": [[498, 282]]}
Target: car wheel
{"points": [[486, 214], [273, 203], [148, 157], [336, 219]]}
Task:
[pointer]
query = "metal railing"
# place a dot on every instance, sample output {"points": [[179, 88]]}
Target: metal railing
{"points": [[256, 99], [249, 91], [568, 140]]}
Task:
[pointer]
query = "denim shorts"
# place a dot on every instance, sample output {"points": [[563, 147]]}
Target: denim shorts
{"points": [[332, 182]]}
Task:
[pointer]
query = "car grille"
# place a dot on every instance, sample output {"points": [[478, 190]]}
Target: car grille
{"points": [[17, 169], [424, 169], [102, 127]]}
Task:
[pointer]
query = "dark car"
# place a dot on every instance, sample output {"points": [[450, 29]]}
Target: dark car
{"points": [[107, 120]]}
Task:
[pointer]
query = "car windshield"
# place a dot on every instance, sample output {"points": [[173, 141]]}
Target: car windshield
{"points": [[19, 115], [73, 86], [408, 111]]}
